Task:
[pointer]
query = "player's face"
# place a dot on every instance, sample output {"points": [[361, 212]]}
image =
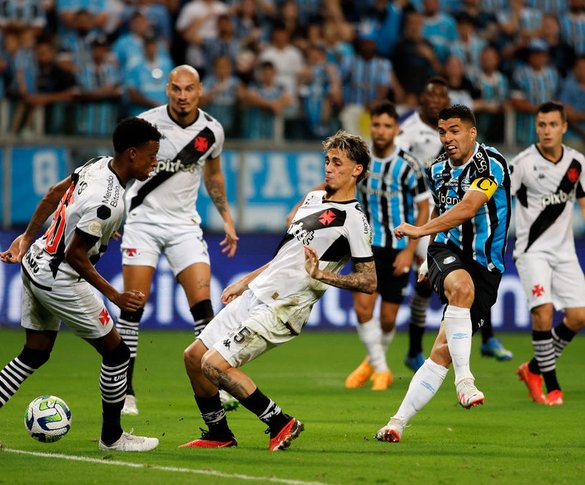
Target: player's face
{"points": [[183, 91], [458, 139], [144, 159], [383, 129], [340, 172], [550, 129], [433, 99]]}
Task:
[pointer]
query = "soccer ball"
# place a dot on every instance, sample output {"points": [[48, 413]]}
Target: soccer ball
{"points": [[47, 419]]}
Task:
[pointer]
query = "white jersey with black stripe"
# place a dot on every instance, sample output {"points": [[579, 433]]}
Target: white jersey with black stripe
{"points": [[94, 205], [419, 139], [169, 196], [337, 231], [545, 194]]}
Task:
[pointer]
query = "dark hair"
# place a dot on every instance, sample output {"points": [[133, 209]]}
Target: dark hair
{"points": [[354, 147], [551, 106], [458, 111], [384, 107], [133, 132], [437, 80]]}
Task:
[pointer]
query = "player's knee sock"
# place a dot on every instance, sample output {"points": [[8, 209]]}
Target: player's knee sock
{"points": [[267, 410], [423, 386], [370, 334], [418, 317], [387, 338], [458, 332], [562, 336], [113, 390], [18, 369], [128, 326], [202, 314], [213, 415], [487, 331], [544, 353]]}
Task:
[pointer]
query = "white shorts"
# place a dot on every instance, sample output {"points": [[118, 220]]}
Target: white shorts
{"points": [[72, 302], [182, 244], [546, 279], [245, 329]]}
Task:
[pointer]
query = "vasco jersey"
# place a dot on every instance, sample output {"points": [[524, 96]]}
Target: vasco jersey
{"points": [[545, 194], [338, 231], [389, 193], [483, 237], [93, 205], [419, 139], [169, 196]]}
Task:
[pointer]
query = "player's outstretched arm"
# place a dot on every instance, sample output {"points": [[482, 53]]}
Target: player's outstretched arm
{"points": [[46, 207], [215, 185], [362, 279], [236, 289]]}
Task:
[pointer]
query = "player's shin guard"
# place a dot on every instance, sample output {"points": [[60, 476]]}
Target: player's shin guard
{"points": [[202, 314], [424, 384], [458, 332], [418, 315], [266, 409], [18, 369], [544, 353], [113, 390], [370, 334], [562, 336], [128, 326]]}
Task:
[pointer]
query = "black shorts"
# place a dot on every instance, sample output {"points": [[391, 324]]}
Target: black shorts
{"points": [[443, 259], [391, 288]]}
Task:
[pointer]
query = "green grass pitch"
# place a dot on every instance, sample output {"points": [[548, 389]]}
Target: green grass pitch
{"points": [[508, 440]]}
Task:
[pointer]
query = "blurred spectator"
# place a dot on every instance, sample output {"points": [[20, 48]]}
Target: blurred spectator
{"points": [[129, 48], [320, 92], [534, 84], [248, 27], [225, 45], [562, 55], [573, 26], [573, 97], [337, 39], [461, 89], [484, 22], [414, 58], [197, 23], [558, 7], [158, 14], [97, 108], [383, 19], [222, 92], [264, 101], [520, 22], [469, 45], [78, 43], [308, 11], [146, 82], [289, 17], [66, 10], [439, 29], [23, 13]]}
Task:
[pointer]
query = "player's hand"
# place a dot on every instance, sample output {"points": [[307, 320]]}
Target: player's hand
{"points": [[233, 291], [16, 251], [230, 241], [404, 229], [423, 272], [312, 263], [129, 300], [402, 262]]}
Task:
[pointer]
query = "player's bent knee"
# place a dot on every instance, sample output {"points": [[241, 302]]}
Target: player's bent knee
{"points": [[34, 358], [118, 356]]}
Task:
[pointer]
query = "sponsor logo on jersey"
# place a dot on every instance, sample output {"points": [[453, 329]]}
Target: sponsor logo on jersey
{"points": [[201, 144], [104, 317], [560, 197], [448, 200], [112, 195], [296, 230]]}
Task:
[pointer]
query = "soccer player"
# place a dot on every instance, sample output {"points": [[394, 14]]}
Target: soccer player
{"points": [[547, 177], [161, 215], [418, 134], [394, 191], [471, 187], [269, 306], [58, 272]]}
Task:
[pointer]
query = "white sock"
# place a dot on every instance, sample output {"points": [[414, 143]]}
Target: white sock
{"points": [[424, 384], [458, 332], [387, 338], [370, 334]]}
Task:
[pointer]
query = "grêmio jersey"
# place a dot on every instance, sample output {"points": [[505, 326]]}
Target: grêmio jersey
{"points": [[169, 196], [483, 237], [545, 194], [338, 231], [92, 205]]}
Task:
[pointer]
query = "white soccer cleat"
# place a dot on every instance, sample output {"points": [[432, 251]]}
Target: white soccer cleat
{"points": [[129, 442], [130, 406], [469, 395], [392, 432], [229, 402]]}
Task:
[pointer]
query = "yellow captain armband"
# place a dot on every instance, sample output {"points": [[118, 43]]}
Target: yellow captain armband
{"points": [[487, 185]]}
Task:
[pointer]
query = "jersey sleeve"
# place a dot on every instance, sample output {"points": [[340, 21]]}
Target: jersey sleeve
{"points": [[359, 235], [489, 183], [98, 220]]}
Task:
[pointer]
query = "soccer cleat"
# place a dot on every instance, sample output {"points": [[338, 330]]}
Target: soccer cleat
{"points": [[416, 362], [130, 408], [555, 398], [129, 442], [381, 380], [468, 395], [392, 432], [359, 376], [209, 441], [533, 383], [494, 348], [229, 402], [289, 432]]}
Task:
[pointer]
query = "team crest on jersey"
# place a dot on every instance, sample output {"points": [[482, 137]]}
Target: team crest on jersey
{"points": [[104, 317], [327, 217], [201, 144], [573, 175], [538, 290]]}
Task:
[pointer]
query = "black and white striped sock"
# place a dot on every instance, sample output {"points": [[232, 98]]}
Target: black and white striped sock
{"points": [[544, 353], [113, 389], [12, 377], [562, 336]]}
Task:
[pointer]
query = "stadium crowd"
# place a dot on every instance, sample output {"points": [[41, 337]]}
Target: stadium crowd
{"points": [[313, 65]]}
